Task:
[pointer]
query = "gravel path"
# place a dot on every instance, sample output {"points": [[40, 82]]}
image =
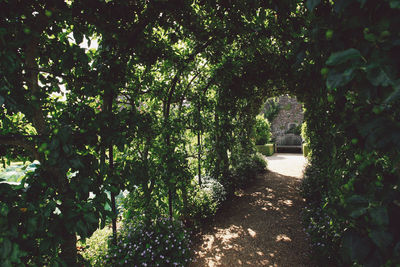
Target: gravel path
{"points": [[287, 164], [261, 226]]}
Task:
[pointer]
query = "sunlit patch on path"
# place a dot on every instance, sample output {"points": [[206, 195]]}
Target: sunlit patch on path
{"points": [[262, 225], [287, 164]]}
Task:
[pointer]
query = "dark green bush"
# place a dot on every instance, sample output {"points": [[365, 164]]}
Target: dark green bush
{"points": [[294, 130], [205, 201], [259, 164], [247, 170], [263, 130], [352, 113], [271, 109]]}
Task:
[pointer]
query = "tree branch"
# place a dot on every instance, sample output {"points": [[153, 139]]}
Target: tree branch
{"points": [[33, 84], [21, 141]]}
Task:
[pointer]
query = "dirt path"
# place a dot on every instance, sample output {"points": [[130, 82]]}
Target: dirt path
{"points": [[262, 225]]}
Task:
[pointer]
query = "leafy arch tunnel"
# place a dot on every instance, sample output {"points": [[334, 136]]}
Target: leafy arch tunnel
{"points": [[159, 98]]}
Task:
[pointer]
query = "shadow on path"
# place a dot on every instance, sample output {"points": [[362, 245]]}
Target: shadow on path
{"points": [[260, 227]]}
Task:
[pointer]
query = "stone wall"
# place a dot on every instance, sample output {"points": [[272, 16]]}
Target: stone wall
{"points": [[290, 115]]}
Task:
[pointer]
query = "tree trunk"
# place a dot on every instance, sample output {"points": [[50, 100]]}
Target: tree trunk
{"points": [[217, 170], [199, 144], [170, 203], [68, 249], [109, 99], [199, 155], [68, 252], [113, 205]]}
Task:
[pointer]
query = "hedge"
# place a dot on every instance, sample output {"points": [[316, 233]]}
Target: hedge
{"points": [[266, 150], [306, 150]]}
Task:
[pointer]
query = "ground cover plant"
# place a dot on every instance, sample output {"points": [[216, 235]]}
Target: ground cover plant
{"points": [[160, 243]]}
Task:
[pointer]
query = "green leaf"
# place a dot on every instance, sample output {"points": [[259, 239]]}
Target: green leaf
{"points": [[362, 2], [374, 260], [357, 212], [32, 224], [89, 42], [381, 238], [355, 247], [340, 5], [357, 205], [5, 248], [76, 163], [45, 244], [64, 134], [81, 228], [6, 263], [395, 4], [66, 149], [394, 96], [379, 215], [311, 4], [357, 199], [370, 37], [336, 79], [396, 251], [78, 36], [15, 253], [54, 143], [378, 76], [343, 56], [3, 209], [90, 218]]}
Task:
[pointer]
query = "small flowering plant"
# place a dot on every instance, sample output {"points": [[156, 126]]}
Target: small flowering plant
{"points": [[161, 243], [204, 202]]}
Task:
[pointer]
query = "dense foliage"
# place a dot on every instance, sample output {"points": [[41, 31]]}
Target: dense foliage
{"points": [[152, 97], [204, 202], [271, 109], [263, 130], [121, 95], [352, 184]]}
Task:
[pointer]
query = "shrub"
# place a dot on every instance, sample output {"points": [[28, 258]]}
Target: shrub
{"points": [[347, 225], [259, 163], [263, 130], [306, 150], [294, 130], [243, 173], [266, 150], [271, 108], [306, 139], [214, 188], [247, 169], [303, 134], [205, 201], [95, 248], [161, 243]]}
